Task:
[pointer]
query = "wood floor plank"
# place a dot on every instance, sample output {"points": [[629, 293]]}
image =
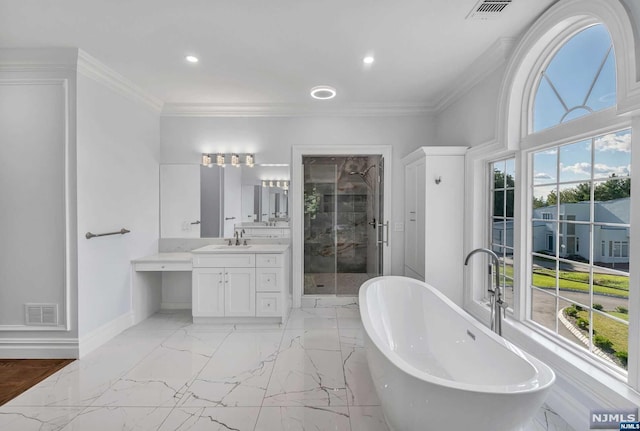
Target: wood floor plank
{"points": [[18, 375]]}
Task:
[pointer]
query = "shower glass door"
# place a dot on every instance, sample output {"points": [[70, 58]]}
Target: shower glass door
{"points": [[343, 229]]}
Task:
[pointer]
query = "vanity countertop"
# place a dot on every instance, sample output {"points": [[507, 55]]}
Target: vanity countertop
{"points": [[252, 248], [165, 258]]}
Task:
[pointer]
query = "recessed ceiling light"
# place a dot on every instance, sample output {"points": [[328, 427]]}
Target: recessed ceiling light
{"points": [[368, 60], [323, 92], [191, 58]]}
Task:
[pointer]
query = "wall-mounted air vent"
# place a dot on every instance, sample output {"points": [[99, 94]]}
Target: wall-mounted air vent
{"points": [[488, 9], [41, 314]]}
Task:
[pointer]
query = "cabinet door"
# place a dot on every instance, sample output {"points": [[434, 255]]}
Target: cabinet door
{"points": [[240, 292], [207, 292], [268, 279], [268, 304], [411, 217]]}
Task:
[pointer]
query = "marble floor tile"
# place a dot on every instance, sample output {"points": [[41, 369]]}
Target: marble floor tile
{"points": [[548, 420], [351, 337], [164, 320], [169, 374], [238, 374], [307, 376], [127, 392], [360, 388], [312, 318], [303, 418], [211, 419], [119, 418], [367, 418], [36, 418], [311, 339]]}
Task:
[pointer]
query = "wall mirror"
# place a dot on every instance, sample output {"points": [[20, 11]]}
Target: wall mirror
{"points": [[207, 202]]}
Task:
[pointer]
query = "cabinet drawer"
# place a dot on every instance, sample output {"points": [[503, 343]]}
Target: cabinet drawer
{"points": [[165, 266], [239, 260], [268, 279], [269, 260], [268, 304]]}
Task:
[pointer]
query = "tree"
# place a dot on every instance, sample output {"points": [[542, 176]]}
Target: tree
{"points": [[499, 184], [614, 188]]}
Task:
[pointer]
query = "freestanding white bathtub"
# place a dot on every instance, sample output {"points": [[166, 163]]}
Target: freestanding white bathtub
{"points": [[437, 368]]}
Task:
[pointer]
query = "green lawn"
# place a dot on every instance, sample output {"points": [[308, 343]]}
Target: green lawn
{"points": [[545, 278], [617, 332], [623, 316]]}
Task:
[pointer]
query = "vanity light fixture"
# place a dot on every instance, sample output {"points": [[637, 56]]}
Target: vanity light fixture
{"points": [[235, 160], [221, 158], [249, 160], [323, 92], [283, 184]]}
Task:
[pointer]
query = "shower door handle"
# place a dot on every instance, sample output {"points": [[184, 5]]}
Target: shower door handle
{"points": [[385, 241]]}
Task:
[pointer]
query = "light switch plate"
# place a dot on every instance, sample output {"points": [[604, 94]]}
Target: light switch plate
{"points": [[398, 227]]}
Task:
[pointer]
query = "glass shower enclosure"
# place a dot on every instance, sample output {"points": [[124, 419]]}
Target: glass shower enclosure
{"points": [[343, 229]]}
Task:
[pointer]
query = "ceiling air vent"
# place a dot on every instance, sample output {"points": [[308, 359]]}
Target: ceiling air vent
{"points": [[488, 9], [41, 314]]}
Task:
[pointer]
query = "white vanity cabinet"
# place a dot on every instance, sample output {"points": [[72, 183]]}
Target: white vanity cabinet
{"points": [[223, 285], [240, 282], [270, 284]]}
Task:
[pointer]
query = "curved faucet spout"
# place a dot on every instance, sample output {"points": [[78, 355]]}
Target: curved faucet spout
{"points": [[482, 250], [497, 303]]}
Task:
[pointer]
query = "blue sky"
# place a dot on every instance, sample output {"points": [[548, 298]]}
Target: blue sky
{"points": [[611, 155], [571, 73]]}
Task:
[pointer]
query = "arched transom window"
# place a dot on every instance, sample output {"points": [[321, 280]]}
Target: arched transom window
{"points": [[579, 79]]}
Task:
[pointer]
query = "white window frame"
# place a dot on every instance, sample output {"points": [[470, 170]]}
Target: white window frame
{"points": [[604, 387]]}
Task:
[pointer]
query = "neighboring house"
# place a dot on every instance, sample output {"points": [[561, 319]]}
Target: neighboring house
{"points": [[610, 236]]}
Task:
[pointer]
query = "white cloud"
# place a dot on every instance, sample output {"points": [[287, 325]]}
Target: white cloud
{"points": [[600, 170], [580, 168], [614, 143], [542, 176]]}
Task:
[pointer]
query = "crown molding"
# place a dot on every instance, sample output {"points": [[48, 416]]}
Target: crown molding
{"points": [[482, 67], [294, 110], [38, 59], [99, 72]]}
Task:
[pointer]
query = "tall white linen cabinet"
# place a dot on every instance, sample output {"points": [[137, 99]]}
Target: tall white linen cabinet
{"points": [[433, 217]]}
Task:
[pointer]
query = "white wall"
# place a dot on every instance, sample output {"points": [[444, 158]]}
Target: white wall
{"points": [[37, 184], [118, 187], [183, 139], [471, 120]]}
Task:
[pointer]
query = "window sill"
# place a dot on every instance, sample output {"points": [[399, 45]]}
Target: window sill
{"points": [[590, 384], [608, 386]]}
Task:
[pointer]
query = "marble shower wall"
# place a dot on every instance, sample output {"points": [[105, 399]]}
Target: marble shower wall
{"points": [[338, 205]]}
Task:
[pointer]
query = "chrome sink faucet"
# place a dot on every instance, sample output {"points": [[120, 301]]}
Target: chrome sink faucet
{"points": [[497, 304], [237, 235]]}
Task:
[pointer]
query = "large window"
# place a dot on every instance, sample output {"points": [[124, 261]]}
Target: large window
{"points": [[580, 204], [503, 177], [580, 279]]}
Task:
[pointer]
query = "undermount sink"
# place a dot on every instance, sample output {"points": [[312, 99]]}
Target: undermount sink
{"points": [[231, 247]]}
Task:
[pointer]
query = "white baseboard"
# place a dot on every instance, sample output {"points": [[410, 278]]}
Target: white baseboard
{"points": [[39, 348], [104, 333], [176, 306]]}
